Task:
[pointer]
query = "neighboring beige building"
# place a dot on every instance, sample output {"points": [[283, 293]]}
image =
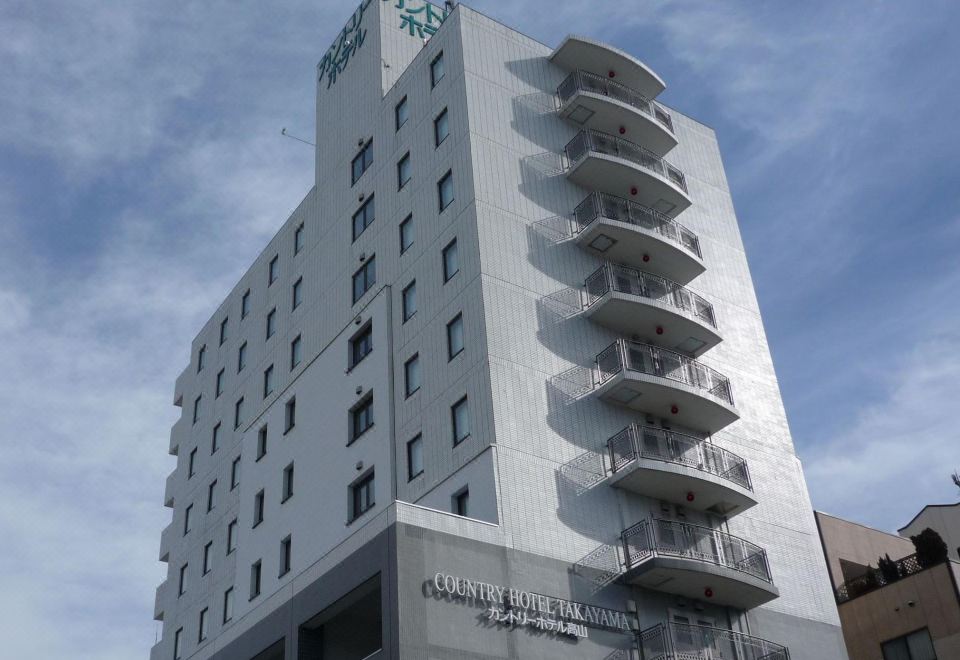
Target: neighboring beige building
{"points": [[944, 518], [913, 617]]}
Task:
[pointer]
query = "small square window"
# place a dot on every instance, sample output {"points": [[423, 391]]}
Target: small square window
{"points": [[437, 70], [201, 358], [232, 536], [445, 190], [235, 473], [215, 439], [286, 548], [360, 345], [364, 279], [241, 357], [223, 330], [404, 171], [192, 463], [409, 301], [287, 483], [455, 337], [364, 217], [461, 502], [262, 442], [228, 605], [211, 495], [361, 162], [362, 496], [178, 644], [238, 413], [295, 351], [290, 415], [204, 625], [255, 574], [297, 294], [220, 379], [361, 418], [268, 381], [406, 233], [441, 128], [415, 457], [460, 419], [207, 557], [271, 322], [451, 261], [411, 375], [401, 113], [196, 408], [298, 239], [182, 584], [245, 304], [258, 503], [273, 270], [187, 515]]}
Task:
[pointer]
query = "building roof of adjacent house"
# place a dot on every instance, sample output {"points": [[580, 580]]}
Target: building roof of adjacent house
{"points": [[923, 510]]}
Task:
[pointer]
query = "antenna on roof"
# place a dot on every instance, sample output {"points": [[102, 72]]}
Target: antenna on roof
{"points": [[283, 132]]}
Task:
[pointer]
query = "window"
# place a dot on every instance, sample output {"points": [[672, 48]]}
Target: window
{"points": [[361, 162], [297, 294], [182, 585], [245, 304], [361, 418], [441, 128], [241, 357], [409, 301], [228, 604], [232, 536], [437, 70], [268, 381], [211, 493], [235, 473], [187, 515], [219, 387], [286, 546], [364, 217], [461, 502], [360, 345], [404, 171], [238, 413], [460, 417], [364, 279], [271, 322], [411, 375], [290, 415], [258, 500], [207, 557], [915, 646], [223, 330], [401, 113], [255, 579], [455, 337], [262, 442], [295, 351], [415, 457], [406, 233], [451, 261], [361, 496], [192, 463], [201, 357], [287, 483], [203, 625], [196, 408], [178, 644], [215, 439], [445, 190], [298, 239], [273, 270]]}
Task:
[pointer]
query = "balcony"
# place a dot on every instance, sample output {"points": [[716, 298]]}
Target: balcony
{"points": [[664, 383], [697, 562], [636, 303], [684, 641], [606, 163], [165, 542], [160, 601], [599, 103], [581, 53], [679, 468], [628, 233], [168, 490]]}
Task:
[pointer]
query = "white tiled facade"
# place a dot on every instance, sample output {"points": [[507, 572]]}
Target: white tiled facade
{"points": [[505, 154]]}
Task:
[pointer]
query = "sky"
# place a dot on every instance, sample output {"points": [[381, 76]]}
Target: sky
{"points": [[142, 169]]}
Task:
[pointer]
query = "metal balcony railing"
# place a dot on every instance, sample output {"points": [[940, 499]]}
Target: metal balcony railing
{"points": [[594, 141], [876, 578], [623, 279], [670, 538], [636, 442], [603, 205], [683, 641], [654, 361], [584, 81]]}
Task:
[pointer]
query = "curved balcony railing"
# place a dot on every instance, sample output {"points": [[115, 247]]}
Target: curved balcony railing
{"points": [[603, 205], [633, 282], [594, 141], [636, 442], [684, 641], [584, 81], [669, 538], [654, 361]]}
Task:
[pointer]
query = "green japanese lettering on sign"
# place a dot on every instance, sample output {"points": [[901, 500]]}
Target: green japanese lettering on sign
{"points": [[344, 46], [420, 21]]}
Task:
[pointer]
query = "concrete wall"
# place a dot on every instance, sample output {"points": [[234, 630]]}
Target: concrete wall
{"points": [[848, 545]]}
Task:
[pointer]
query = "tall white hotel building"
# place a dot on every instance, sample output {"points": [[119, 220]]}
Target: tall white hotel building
{"points": [[498, 388]]}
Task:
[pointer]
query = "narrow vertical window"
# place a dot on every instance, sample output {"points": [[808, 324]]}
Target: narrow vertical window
{"points": [[362, 496], [228, 605], [287, 483], [295, 351], [290, 415], [461, 502], [401, 113], [271, 322], [207, 557], [445, 190], [187, 515], [455, 337], [196, 408], [203, 627], [178, 644], [232, 536], [223, 330], [215, 439], [364, 279], [360, 345], [404, 171], [286, 555], [255, 579], [297, 296], [258, 502], [211, 495], [409, 301], [361, 418], [192, 463], [245, 304], [441, 128], [406, 233], [361, 162], [241, 357], [460, 419], [220, 379], [201, 357], [298, 239], [411, 375], [268, 381], [437, 70], [451, 261], [235, 473], [182, 585], [415, 457], [262, 442], [364, 217], [238, 413], [273, 270]]}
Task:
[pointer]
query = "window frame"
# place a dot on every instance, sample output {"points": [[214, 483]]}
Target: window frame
{"points": [[367, 214], [363, 495], [187, 514], [442, 117], [417, 441], [259, 507], [406, 313], [228, 605], [262, 438], [238, 413], [286, 555], [223, 329], [235, 472], [404, 166], [271, 328], [196, 408], [437, 64], [287, 483], [361, 413], [450, 248], [268, 381], [218, 386], [211, 495], [232, 535], [256, 578], [401, 106], [364, 333], [447, 178], [203, 626], [296, 294], [296, 352], [414, 362], [215, 438], [245, 304], [365, 159], [406, 226], [464, 404], [455, 322], [298, 239], [201, 357], [369, 281], [241, 357], [273, 270], [461, 502], [289, 415], [207, 557]]}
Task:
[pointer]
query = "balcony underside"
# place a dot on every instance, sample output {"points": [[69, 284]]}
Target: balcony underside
{"points": [[672, 482], [635, 315], [589, 55], [625, 243], [618, 176], [696, 409], [596, 111], [692, 577]]}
